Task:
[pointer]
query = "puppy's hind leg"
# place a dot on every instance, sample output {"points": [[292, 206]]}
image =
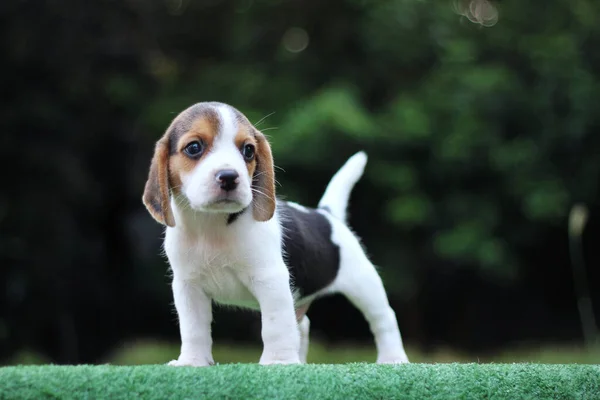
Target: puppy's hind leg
{"points": [[304, 326], [361, 284]]}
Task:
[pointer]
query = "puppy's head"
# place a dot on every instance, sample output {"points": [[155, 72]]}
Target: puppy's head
{"points": [[213, 158]]}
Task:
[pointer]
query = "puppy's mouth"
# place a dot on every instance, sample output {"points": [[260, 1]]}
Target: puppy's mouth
{"points": [[226, 201], [224, 204]]}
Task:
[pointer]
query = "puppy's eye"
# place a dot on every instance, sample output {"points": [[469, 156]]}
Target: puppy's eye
{"points": [[248, 152], [194, 149]]}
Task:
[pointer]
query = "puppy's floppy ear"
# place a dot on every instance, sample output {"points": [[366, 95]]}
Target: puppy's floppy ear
{"points": [[156, 193], [263, 203]]}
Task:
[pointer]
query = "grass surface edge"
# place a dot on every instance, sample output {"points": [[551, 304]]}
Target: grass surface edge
{"points": [[347, 381]]}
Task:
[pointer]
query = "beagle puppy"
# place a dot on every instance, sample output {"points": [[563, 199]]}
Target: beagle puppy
{"points": [[230, 240]]}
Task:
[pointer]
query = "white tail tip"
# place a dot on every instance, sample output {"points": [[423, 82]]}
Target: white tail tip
{"points": [[338, 191]]}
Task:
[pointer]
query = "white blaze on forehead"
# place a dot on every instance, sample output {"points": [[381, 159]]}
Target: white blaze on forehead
{"points": [[228, 125]]}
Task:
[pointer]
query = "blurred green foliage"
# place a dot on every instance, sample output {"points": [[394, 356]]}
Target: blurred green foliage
{"points": [[479, 138]]}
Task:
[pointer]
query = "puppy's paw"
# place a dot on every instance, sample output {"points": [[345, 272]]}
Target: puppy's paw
{"points": [[190, 362], [272, 360], [399, 359], [282, 362]]}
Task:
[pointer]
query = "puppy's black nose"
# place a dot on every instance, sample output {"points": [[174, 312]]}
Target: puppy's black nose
{"points": [[227, 179]]}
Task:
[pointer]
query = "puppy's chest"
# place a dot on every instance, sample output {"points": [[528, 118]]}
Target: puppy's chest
{"points": [[224, 284], [220, 269]]}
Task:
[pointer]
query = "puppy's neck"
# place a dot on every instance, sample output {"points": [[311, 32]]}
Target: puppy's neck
{"points": [[199, 223]]}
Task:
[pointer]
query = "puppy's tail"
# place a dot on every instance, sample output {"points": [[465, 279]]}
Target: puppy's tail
{"points": [[335, 198]]}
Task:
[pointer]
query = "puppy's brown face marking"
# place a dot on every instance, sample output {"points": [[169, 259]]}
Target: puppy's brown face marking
{"points": [[246, 142], [189, 148], [200, 118]]}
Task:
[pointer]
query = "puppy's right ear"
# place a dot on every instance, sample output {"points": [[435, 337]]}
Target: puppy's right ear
{"points": [[156, 193]]}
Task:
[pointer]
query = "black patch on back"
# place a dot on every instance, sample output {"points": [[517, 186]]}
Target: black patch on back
{"points": [[311, 257]]}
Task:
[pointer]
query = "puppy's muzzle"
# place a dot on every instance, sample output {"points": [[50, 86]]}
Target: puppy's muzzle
{"points": [[227, 179]]}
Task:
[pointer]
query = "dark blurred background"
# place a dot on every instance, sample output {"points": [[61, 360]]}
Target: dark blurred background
{"points": [[480, 120]]}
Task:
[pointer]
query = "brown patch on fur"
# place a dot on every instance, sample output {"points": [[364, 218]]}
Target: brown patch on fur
{"points": [[204, 130], [156, 193], [263, 203], [244, 136]]}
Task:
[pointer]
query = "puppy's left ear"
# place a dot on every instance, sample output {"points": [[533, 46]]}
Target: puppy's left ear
{"points": [[156, 193], [263, 203]]}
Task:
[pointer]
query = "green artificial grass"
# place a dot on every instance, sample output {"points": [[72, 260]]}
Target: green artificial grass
{"points": [[312, 381]]}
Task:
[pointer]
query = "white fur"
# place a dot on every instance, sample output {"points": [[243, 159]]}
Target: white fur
{"points": [[242, 264]]}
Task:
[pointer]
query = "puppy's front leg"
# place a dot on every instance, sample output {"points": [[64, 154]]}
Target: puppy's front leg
{"points": [[194, 309], [280, 335]]}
